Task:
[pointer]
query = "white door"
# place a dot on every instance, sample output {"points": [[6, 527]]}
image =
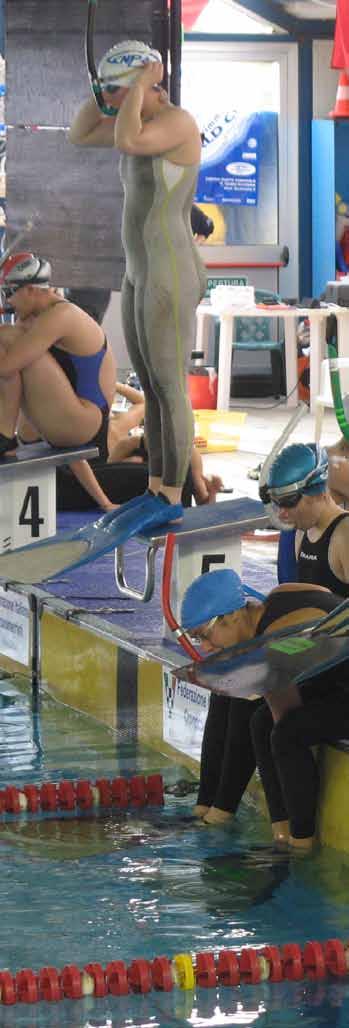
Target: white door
{"points": [[252, 77]]}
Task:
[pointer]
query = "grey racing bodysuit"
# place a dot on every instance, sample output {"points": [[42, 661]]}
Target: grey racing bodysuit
{"points": [[164, 282]]}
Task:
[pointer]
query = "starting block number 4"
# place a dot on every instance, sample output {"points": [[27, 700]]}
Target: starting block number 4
{"points": [[28, 506]]}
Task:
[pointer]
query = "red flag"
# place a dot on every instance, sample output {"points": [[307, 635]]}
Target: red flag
{"points": [[190, 12], [340, 53]]}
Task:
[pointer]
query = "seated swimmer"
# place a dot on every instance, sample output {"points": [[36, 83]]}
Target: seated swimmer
{"points": [[57, 370]]}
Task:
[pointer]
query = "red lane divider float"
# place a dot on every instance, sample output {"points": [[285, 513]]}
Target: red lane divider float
{"points": [[227, 968], [116, 792]]}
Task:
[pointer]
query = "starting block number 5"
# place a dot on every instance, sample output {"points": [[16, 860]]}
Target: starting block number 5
{"points": [[191, 559], [210, 559]]}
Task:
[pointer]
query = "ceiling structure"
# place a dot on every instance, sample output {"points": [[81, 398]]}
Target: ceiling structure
{"points": [[314, 17]]}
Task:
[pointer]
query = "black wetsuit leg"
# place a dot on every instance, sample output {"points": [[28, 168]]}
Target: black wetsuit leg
{"points": [[262, 726], [227, 756], [285, 760]]}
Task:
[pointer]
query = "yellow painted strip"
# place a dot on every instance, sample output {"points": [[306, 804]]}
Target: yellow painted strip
{"points": [[149, 702], [333, 821], [80, 668]]}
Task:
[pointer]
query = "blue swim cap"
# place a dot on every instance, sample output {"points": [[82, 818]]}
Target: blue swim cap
{"points": [[299, 467], [210, 595]]}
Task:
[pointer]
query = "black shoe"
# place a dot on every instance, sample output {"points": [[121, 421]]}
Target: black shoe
{"points": [[6, 443]]}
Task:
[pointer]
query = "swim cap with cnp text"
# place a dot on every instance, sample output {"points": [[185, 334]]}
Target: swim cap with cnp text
{"points": [[122, 63]]}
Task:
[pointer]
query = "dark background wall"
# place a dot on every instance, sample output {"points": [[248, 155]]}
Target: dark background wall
{"points": [[74, 192]]}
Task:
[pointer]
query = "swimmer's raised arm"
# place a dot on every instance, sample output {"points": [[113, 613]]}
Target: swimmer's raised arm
{"points": [[92, 128], [169, 129]]}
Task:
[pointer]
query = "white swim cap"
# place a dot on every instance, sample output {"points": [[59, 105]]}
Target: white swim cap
{"points": [[121, 64]]}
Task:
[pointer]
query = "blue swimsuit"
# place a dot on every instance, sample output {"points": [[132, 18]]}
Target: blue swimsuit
{"points": [[82, 371]]}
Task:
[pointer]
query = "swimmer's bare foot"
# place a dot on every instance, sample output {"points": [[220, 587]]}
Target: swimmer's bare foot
{"points": [[216, 816], [281, 831], [301, 845], [200, 810]]}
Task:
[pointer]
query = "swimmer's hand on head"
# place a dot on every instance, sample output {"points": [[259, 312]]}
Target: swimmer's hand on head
{"points": [[91, 127], [145, 122], [149, 125], [151, 74]]}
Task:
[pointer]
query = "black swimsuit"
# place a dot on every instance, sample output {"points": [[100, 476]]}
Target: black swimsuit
{"points": [[313, 564]]}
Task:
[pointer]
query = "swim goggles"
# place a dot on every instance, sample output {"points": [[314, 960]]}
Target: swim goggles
{"points": [[288, 501]]}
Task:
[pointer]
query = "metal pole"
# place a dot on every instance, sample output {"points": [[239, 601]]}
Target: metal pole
{"points": [[160, 33], [175, 50], [35, 606]]}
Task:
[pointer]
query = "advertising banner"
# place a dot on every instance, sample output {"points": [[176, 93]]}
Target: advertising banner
{"points": [[14, 626], [185, 710], [230, 162]]}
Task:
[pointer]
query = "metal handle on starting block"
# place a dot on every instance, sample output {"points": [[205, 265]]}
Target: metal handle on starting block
{"points": [[149, 583]]}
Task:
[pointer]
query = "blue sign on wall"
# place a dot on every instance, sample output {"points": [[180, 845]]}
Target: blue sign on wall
{"points": [[230, 162]]}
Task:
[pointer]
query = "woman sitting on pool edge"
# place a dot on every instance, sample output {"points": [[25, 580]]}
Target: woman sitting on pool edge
{"points": [[242, 734]]}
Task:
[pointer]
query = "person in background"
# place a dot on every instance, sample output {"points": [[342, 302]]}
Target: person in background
{"points": [[338, 471], [126, 447], [123, 446], [94, 301], [239, 733], [202, 226], [298, 487]]}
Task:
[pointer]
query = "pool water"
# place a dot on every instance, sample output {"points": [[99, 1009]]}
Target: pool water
{"points": [[148, 883]]}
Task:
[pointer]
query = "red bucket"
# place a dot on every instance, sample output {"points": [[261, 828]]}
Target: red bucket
{"points": [[203, 388]]}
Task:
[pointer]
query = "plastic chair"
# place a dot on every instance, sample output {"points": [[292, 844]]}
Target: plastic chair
{"points": [[324, 398], [253, 334]]}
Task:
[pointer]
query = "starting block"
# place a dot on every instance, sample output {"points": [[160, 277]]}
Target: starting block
{"points": [[208, 537], [28, 491]]}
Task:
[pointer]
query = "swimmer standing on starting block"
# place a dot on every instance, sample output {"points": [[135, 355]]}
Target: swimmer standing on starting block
{"points": [[165, 278]]}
